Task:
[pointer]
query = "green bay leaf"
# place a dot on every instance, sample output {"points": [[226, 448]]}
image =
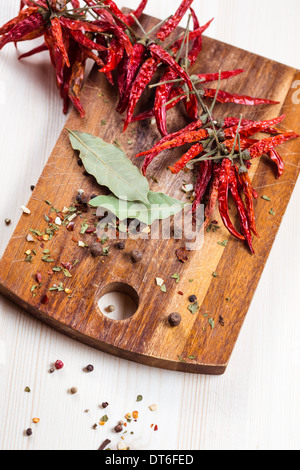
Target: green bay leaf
{"points": [[110, 166], [160, 207]]}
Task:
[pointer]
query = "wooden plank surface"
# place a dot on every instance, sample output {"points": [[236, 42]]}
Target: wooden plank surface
{"points": [[146, 337]]}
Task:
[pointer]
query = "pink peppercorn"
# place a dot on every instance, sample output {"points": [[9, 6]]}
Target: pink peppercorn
{"points": [[59, 365]]}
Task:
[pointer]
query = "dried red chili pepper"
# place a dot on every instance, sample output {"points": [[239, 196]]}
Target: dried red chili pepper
{"points": [[174, 21], [181, 139], [137, 13], [213, 195], [22, 16], [265, 145], [253, 127], [233, 185], [144, 77], [158, 52], [246, 185], [114, 56], [31, 27], [243, 144], [189, 128], [84, 40], [115, 9], [276, 158], [76, 81], [131, 66], [197, 46], [205, 173], [232, 121], [194, 151], [58, 38], [224, 97], [223, 198], [161, 98], [43, 47], [213, 77]]}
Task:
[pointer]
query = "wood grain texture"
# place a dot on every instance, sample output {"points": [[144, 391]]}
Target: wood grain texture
{"points": [[146, 337]]}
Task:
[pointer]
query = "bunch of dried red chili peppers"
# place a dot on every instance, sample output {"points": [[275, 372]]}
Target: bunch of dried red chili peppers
{"points": [[100, 31], [71, 38], [223, 152]]}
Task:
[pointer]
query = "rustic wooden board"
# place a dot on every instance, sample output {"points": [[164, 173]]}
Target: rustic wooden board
{"points": [[146, 337]]}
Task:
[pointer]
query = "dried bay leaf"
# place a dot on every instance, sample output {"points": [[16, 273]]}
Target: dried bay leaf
{"points": [[160, 207], [111, 167]]}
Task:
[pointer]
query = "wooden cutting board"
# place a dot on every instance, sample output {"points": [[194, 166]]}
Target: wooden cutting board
{"points": [[201, 344]]}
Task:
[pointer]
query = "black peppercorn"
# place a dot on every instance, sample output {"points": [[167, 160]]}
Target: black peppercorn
{"points": [[104, 404], [136, 256], [28, 432], [118, 428], [121, 246], [89, 368], [192, 299], [174, 319], [96, 250]]}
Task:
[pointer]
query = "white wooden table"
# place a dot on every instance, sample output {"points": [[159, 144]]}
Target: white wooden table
{"points": [[255, 405]]}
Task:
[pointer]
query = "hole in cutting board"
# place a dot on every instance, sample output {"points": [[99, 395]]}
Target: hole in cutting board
{"points": [[122, 297]]}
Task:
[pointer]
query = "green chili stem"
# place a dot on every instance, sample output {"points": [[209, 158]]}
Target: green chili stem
{"points": [[236, 137]]}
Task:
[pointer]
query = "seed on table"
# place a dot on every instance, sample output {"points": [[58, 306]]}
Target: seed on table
{"points": [[174, 319], [59, 364], [74, 390], [25, 210], [7, 221], [136, 256], [121, 246], [104, 404], [192, 299], [96, 250], [111, 308], [118, 428], [89, 368], [36, 420], [29, 432]]}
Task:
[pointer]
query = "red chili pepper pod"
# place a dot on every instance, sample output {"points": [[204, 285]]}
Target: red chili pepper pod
{"points": [[224, 182], [265, 145], [86, 41], [254, 127], [31, 27], [144, 77], [174, 21], [22, 16], [114, 56], [194, 151], [189, 128], [133, 64], [59, 40], [161, 98], [244, 143], [276, 158], [115, 9], [224, 97], [34, 51], [213, 195], [205, 173], [76, 82], [233, 186], [137, 13], [246, 186], [213, 77]]}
